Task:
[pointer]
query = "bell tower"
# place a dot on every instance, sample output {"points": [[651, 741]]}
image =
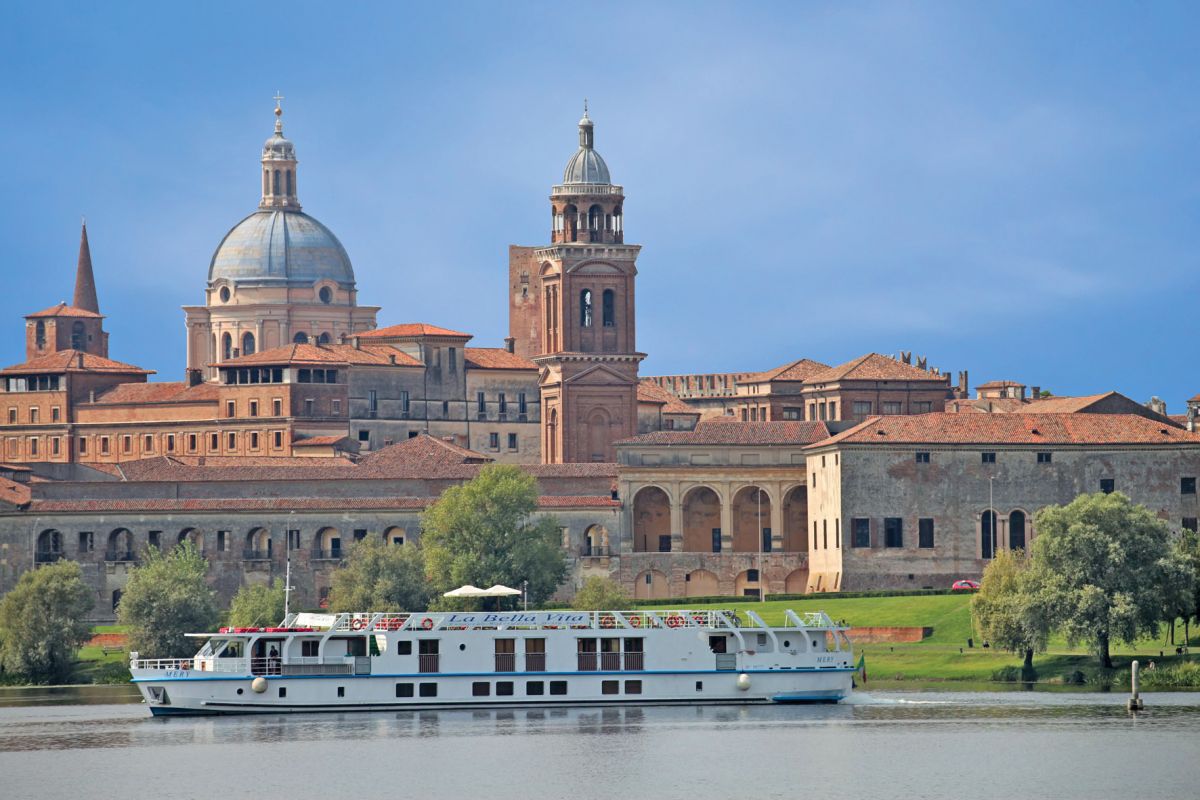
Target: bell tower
{"points": [[573, 313]]}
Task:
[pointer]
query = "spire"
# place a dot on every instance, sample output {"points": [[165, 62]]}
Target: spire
{"points": [[585, 129], [279, 167], [85, 281]]}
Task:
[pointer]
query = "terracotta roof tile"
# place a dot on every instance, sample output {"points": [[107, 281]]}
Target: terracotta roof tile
{"points": [[408, 330], [799, 370], [14, 493], [495, 358], [874, 367], [68, 361], [158, 392], [367, 355], [725, 431], [1013, 429], [319, 441], [1000, 385], [650, 392], [285, 504], [64, 310]]}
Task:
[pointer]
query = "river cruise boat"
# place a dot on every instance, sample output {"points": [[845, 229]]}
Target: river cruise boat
{"points": [[378, 661]]}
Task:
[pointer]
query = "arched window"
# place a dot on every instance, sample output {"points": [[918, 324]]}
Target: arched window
{"points": [[595, 218], [226, 346], [247, 343], [290, 189], [585, 308], [300, 338], [987, 531], [275, 183], [266, 181], [609, 306], [572, 215], [78, 336], [40, 334], [1016, 530], [324, 338]]}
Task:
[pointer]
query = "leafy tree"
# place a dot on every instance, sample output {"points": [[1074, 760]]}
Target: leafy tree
{"points": [[42, 622], [165, 598], [1189, 603], [1009, 609], [377, 576], [1108, 570], [257, 605], [600, 594], [484, 532]]}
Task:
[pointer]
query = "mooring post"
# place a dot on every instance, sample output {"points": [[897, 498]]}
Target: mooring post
{"points": [[1135, 700]]}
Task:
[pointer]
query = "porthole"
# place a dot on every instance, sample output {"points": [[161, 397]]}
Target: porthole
{"points": [[462, 647], [224, 294], [326, 294], [786, 643], [241, 690]]}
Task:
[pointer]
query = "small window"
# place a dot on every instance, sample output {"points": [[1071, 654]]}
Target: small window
{"points": [[988, 458], [633, 687], [922, 457], [404, 648], [341, 691], [254, 408], [1045, 458], [127, 444], [481, 689], [310, 648], [82, 446], [512, 441], [494, 441], [231, 408], [1108, 485], [191, 442], [278, 439], [214, 442], [404, 690], [892, 408], [283, 691], [336, 407], [253, 440], [535, 688], [232, 441], [925, 532], [610, 687], [428, 690], [1187, 485], [558, 687], [699, 686], [277, 407], [504, 688], [55, 414], [170, 443]]}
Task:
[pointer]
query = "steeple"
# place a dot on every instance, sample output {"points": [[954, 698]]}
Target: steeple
{"points": [[279, 167], [85, 281]]}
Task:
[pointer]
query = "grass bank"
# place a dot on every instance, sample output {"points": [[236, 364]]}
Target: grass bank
{"points": [[944, 659]]}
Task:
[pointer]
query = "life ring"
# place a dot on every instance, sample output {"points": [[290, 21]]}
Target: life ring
{"points": [[607, 621], [427, 624], [357, 624], [674, 621], [635, 622]]}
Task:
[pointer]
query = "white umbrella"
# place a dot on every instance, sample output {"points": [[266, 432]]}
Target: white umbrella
{"points": [[466, 591], [499, 590]]}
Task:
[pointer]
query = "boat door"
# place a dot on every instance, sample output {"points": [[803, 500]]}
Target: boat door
{"points": [[719, 645], [266, 657]]}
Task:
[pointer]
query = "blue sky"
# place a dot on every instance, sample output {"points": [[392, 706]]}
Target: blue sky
{"points": [[1009, 188]]}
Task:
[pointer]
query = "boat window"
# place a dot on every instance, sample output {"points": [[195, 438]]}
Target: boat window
{"points": [[504, 688], [283, 691], [535, 688], [427, 647], [341, 691], [232, 649], [428, 690], [355, 645], [716, 644], [404, 690], [404, 648], [558, 687], [633, 687], [481, 689], [699, 686], [310, 648]]}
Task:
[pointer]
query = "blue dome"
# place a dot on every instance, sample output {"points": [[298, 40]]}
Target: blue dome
{"points": [[280, 245]]}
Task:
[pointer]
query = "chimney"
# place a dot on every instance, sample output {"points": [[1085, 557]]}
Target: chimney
{"points": [[963, 384], [91, 395], [192, 377], [1036, 392], [357, 342], [510, 344], [1191, 419]]}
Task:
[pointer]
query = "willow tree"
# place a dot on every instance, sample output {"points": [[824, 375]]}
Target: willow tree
{"points": [[1109, 570]]}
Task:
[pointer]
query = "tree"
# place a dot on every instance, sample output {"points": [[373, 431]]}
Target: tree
{"points": [[1009, 609], [377, 576], [1188, 606], [483, 532], [42, 622], [257, 605], [1108, 570], [165, 598], [600, 594]]}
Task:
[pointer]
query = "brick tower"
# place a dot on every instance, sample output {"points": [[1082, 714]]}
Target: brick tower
{"points": [[572, 313]]}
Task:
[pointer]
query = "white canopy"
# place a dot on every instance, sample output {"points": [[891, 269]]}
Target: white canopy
{"points": [[467, 591], [499, 590]]}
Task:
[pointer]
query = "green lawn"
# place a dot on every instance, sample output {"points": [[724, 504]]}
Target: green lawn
{"points": [[944, 656]]}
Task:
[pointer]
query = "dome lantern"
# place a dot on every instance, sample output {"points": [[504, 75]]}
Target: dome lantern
{"points": [[279, 167], [587, 205]]}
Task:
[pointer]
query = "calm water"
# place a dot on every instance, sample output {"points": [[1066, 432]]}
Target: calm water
{"points": [[880, 745]]}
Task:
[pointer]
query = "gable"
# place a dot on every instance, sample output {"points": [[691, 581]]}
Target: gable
{"points": [[600, 375]]}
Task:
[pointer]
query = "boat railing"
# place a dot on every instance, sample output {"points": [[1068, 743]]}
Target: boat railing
{"points": [[506, 662], [163, 663], [535, 662]]}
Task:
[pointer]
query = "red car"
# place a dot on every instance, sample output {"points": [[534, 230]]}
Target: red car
{"points": [[965, 584]]}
